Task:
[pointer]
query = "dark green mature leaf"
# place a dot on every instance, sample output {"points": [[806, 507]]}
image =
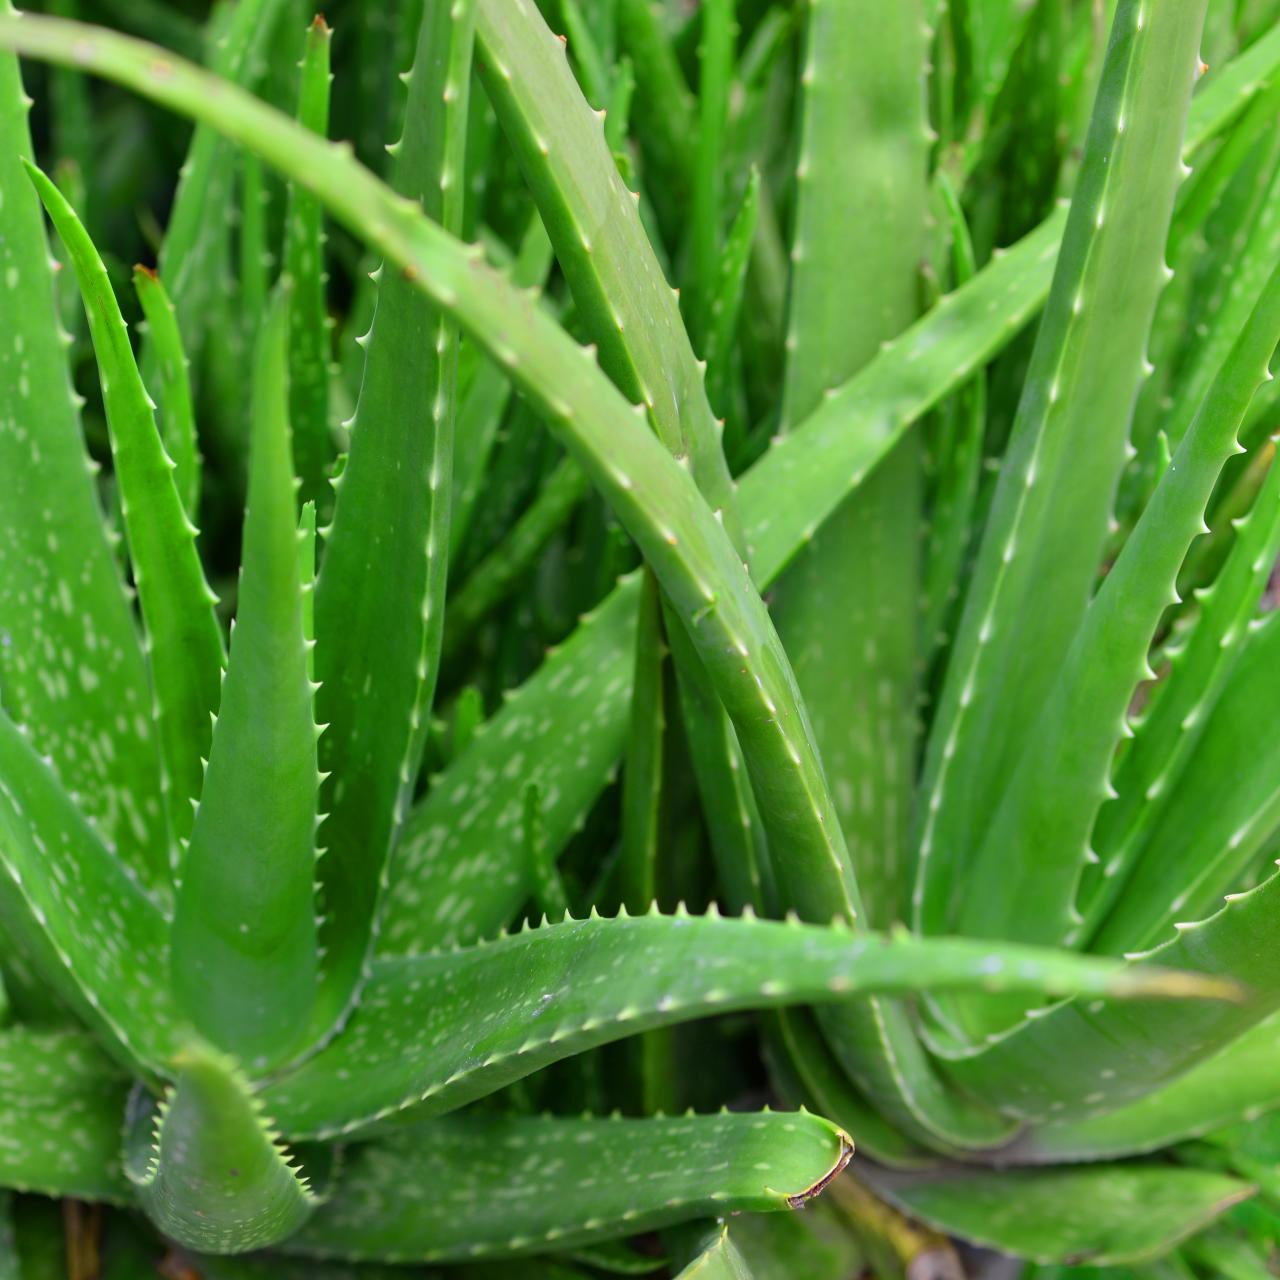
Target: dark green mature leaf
{"points": [[184, 642], [436, 1031], [380, 593], [61, 1105], [244, 952], [71, 667], [207, 1166], [471, 1186], [1101, 1214]]}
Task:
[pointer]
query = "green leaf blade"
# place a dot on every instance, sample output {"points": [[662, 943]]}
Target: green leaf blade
{"points": [[244, 948], [184, 640]]}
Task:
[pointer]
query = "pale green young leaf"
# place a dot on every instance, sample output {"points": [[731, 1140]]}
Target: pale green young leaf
{"points": [[206, 1164], [244, 939]]}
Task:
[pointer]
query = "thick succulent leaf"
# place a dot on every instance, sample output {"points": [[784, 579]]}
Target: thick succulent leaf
{"points": [[442, 1029], [1238, 1084], [1043, 542], [592, 218], [1148, 773], [787, 494], [807, 1073], [571, 754], [846, 609], [304, 245], [1100, 1214], [206, 1165], [380, 593], [71, 666], [483, 403], [469, 1186], [75, 912], [244, 951], [184, 641], [1050, 802], [176, 414], [816, 1244], [642, 768], [713, 1255], [1223, 811], [1071, 1059], [61, 1106]]}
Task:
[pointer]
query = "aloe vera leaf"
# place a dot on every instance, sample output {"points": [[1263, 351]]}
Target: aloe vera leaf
{"points": [[711, 1254], [501, 571], [1240, 1083], [61, 1100], [717, 48], [955, 488], [1085, 713], [727, 296], [255, 258], [790, 490], [547, 993], [987, 33], [244, 953], [183, 637], [1043, 540], [1230, 90], [177, 417], [856, 664], [810, 1075], [665, 108], [1248, 272], [1105, 1213], [548, 887], [1071, 1058], [106, 962], [618, 285], [206, 1164], [482, 407], [380, 601], [1225, 806], [642, 762], [653, 495], [816, 1243], [471, 1186], [587, 55], [734, 829], [1166, 737], [304, 244], [60, 591], [191, 257]]}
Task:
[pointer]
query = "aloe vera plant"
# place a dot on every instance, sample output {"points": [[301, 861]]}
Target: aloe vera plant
{"points": [[605, 514]]}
